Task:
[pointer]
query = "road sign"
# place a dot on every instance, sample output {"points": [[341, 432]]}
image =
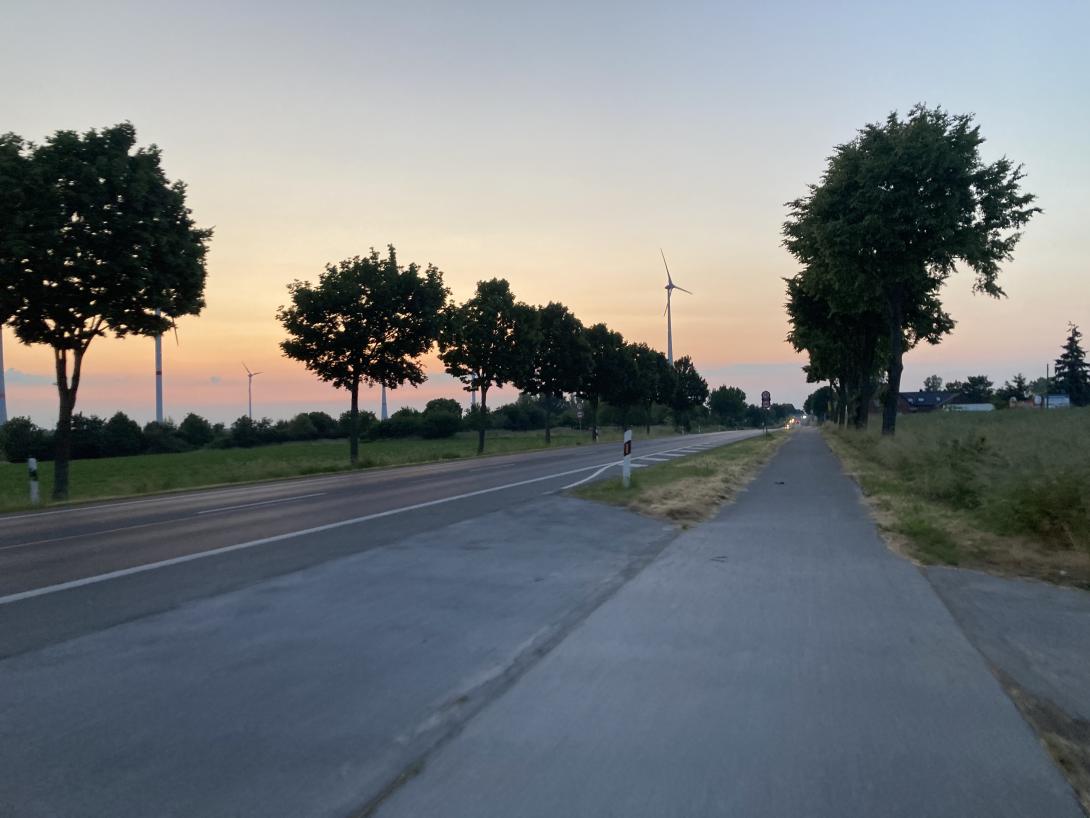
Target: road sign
{"points": [[766, 399]]}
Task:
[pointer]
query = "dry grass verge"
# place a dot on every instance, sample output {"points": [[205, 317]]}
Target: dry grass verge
{"points": [[689, 489]]}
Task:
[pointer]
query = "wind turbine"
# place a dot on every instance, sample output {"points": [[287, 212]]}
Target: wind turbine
{"points": [[670, 287], [382, 411], [3, 396], [250, 389]]}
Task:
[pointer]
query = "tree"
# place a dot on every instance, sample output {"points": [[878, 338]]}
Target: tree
{"points": [[368, 320], [978, 389], [690, 390], [727, 404], [488, 341], [605, 367], [93, 239], [896, 209], [121, 436], [195, 430], [23, 439], [820, 403], [655, 378], [444, 404], [1017, 388], [1072, 373], [932, 383], [561, 358]]}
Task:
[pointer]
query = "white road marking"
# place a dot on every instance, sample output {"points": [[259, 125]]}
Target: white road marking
{"points": [[262, 503], [152, 566]]}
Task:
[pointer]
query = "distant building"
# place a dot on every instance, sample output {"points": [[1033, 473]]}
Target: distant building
{"points": [[954, 406], [1054, 401], [911, 403]]}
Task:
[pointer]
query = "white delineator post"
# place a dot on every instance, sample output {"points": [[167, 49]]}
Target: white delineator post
{"points": [[32, 469], [626, 464]]}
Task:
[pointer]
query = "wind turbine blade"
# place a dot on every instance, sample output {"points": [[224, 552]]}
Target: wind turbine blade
{"points": [[174, 326], [676, 287], [667, 266], [248, 372]]}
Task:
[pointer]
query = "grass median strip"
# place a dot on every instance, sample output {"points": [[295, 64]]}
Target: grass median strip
{"points": [[1004, 491], [691, 488]]}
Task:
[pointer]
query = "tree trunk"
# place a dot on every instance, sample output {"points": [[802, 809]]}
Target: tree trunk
{"points": [[594, 419], [66, 391], [896, 354], [354, 425], [483, 414], [647, 418], [548, 421]]}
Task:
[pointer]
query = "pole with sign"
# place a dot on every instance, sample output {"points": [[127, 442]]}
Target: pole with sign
{"points": [[766, 403], [626, 464]]}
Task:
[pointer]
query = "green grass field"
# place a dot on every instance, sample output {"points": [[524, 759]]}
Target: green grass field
{"points": [[144, 474], [1008, 490], [690, 488]]}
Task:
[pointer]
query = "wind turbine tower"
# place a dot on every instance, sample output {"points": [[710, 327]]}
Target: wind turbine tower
{"points": [[382, 411], [3, 394], [250, 390], [670, 287], [158, 375]]}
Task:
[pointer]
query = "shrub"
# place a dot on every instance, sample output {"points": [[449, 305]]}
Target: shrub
{"points": [[244, 433], [446, 405], [86, 436], [162, 438], [366, 421], [402, 423], [300, 427], [121, 436], [439, 423], [22, 439], [195, 430], [325, 425]]}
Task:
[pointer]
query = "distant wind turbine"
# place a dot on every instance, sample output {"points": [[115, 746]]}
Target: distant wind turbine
{"points": [[670, 287], [250, 389]]}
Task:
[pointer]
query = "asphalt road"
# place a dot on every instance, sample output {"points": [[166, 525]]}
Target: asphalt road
{"points": [[778, 661], [67, 572]]}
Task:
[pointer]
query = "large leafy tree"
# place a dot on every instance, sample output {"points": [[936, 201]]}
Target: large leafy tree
{"points": [[932, 383], [896, 210], [489, 341], [94, 239], [727, 404], [690, 390], [1017, 388], [561, 358], [608, 365], [655, 378], [820, 403], [368, 320], [1072, 373]]}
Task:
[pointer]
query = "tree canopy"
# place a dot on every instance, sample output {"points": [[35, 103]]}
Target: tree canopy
{"points": [[896, 210], [1072, 373], [367, 320], [93, 239], [488, 341], [561, 357]]}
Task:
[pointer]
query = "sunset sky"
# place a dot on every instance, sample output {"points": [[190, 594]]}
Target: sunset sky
{"points": [[557, 145]]}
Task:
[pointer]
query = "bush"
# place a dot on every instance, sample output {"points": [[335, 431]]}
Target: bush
{"points": [[244, 433], [437, 423], [195, 430], [121, 436], [405, 422], [300, 427], [86, 436], [366, 421], [22, 439], [325, 425], [444, 404], [163, 438]]}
